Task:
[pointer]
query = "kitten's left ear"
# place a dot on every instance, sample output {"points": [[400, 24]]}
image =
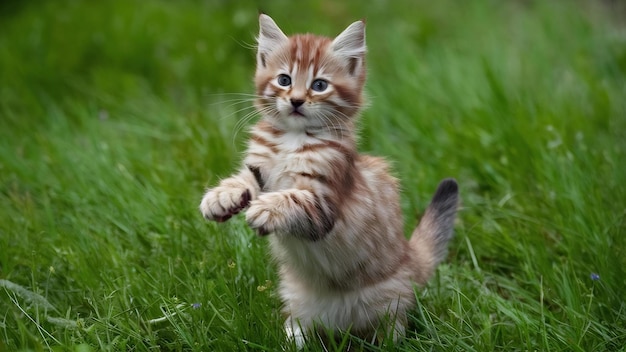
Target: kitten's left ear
{"points": [[350, 44], [270, 37]]}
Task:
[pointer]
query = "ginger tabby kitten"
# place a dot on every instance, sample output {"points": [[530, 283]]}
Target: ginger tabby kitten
{"points": [[334, 214]]}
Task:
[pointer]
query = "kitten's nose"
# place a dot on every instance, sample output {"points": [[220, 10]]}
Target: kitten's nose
{"points": [[297, 102]]}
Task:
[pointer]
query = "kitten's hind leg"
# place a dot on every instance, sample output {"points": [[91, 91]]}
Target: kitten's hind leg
{"points": [[295, 332], [399, 331]]}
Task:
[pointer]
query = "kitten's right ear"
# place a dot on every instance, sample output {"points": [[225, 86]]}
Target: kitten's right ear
{"points": [[350, 44], [270, 37]]}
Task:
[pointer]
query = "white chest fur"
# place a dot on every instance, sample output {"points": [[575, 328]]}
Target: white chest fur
{"points": [[293, 154]]}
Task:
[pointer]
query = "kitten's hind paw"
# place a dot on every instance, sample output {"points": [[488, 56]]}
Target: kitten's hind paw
{"points": [[295, 333], [221, 203]]}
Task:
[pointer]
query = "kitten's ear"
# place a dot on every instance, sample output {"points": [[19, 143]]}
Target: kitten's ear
{"points": [[350, 44], [270, 37]]}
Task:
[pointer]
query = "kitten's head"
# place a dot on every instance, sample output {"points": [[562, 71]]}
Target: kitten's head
{"points": [[309, 82]]}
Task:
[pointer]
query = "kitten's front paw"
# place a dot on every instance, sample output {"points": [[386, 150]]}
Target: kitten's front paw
{"points": [[221, 203], [264, 214]]}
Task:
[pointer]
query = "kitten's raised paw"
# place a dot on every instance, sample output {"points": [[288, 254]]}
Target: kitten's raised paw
{"points": [[258, 217], [266, 213], [221, 203]]}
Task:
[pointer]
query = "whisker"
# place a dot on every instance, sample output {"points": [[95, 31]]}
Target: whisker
{"points": [[243, 97], [236, 112], [231, 94], [245, 118], [237, 106], [251, 106], [242, 123], [332, 124], [264, 110]]}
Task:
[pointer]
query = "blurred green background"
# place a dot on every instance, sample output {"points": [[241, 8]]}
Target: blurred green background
{"points": [[116, 115]]}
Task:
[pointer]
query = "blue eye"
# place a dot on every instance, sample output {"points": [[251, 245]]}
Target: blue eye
{"points": [[284, 80], [319, 85]]}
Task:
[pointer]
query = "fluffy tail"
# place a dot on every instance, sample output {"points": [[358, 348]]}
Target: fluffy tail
{"points": [[430, 239]]}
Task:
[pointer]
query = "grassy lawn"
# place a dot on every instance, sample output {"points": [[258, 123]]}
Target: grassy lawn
{"points": [[116, 115]]}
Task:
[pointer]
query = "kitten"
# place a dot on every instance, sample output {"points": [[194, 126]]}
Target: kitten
{"points": [[334, 214]]}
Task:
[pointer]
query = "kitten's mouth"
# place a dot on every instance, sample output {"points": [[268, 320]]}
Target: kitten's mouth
{"points": [[295, 112]]}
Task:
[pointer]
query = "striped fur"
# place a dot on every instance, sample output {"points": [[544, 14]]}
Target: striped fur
{"points": [[333, 213]]}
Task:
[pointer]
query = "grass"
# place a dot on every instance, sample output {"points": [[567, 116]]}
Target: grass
{"points": [[114, 117]]}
